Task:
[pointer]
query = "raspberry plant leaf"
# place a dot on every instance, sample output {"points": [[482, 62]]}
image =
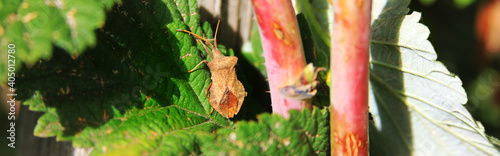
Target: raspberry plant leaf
{"points": [[415, 101], [131, 88], [35, 25], [304, 133]]}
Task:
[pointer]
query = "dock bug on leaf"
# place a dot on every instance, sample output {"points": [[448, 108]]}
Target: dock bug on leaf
{"points": [[226, 91]]}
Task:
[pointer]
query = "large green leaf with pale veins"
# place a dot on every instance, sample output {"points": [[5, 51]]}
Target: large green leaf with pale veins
{"points": [[415, 101]]}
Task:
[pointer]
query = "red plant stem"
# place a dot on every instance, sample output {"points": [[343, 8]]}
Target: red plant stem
{"points": [[349, 89], [283, 50]]}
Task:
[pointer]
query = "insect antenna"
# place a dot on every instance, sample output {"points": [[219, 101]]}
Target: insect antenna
{"points": [[201, 38], [204, 47], [216, 30]]}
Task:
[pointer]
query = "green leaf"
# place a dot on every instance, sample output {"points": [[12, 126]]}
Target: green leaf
{"points": [[33, 26], [131, 90], [253, 52], [415, 101], [318, 15], [304, 133]]}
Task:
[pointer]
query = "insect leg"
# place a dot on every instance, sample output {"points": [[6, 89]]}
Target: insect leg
{"points": [[206, 90], [204, 61], [206, 49]]}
